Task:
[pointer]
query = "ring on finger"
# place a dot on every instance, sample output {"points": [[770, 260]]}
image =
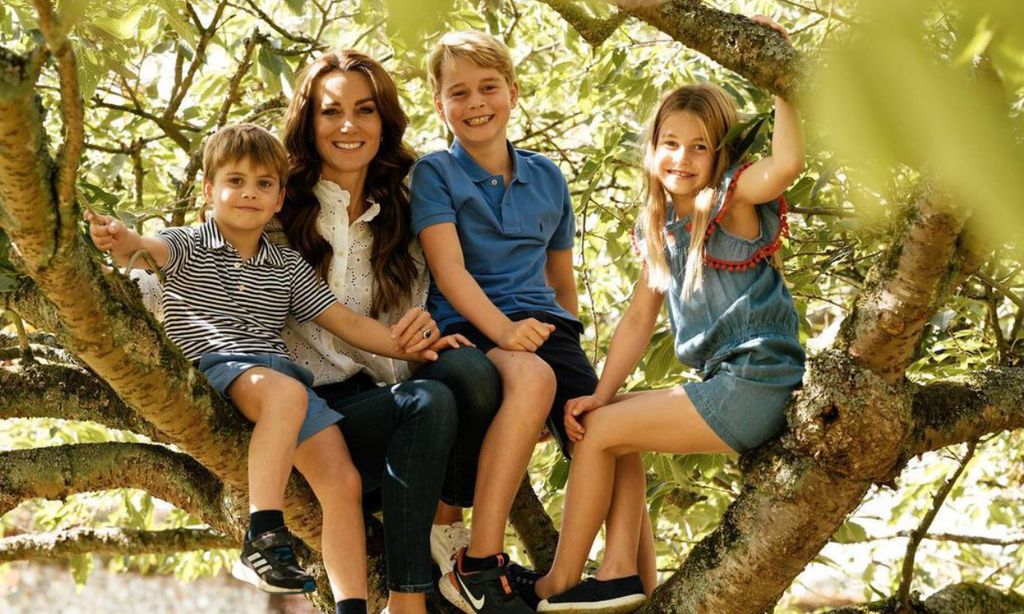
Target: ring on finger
{"points": [[426, 333]]}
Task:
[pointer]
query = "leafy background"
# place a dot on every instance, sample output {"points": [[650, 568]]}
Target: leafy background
{"points": [[900, 98]]}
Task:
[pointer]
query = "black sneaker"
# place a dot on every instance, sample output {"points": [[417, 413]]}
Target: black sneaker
{"points": [[593, 595], [523, 581], [268, 562], [488, 591]]}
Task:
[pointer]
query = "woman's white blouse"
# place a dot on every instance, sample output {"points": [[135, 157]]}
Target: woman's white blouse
{"points": [[351, 279]]}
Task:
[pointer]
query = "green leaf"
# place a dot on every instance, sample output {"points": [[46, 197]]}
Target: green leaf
{"points": [[80, 566], [850, 533], [559, 474]]}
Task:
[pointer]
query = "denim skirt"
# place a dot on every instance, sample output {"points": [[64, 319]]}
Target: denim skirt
{"points": [[744, 393]]}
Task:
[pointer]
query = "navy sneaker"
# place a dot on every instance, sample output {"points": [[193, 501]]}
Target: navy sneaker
{"points": [[268, 562], [524, 582], [592, 595], [488, 591]]}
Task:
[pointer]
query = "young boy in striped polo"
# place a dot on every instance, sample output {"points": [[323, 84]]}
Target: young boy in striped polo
{"points": [[226, 295]]}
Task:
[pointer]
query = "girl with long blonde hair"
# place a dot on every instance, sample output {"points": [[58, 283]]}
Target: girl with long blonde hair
{"points": [[708, 234]]}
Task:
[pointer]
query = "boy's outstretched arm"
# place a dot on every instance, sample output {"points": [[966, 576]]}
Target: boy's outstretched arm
{"points": [[631, 338], [444, 255], [562, 279], [769, 177], [112, 236], [372, 336]]}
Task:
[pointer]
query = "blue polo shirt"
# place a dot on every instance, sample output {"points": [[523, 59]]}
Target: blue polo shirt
{"points": [[505, 231]]}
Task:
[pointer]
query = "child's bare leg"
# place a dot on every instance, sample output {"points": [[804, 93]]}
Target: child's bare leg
{"points": [[662, 421], [325, 462], [646, 557], [624, 521], [447, 514], [276, 403], [529, 389]]}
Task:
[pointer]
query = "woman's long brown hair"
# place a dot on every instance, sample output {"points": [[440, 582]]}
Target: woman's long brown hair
{"points": [[392, 264]]}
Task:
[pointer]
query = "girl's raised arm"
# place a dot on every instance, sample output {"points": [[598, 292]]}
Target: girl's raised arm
{"points": [[769, 177]]}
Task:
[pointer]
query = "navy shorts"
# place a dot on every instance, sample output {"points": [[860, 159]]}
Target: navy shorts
{"points": [[574, 375], [223, 369]]}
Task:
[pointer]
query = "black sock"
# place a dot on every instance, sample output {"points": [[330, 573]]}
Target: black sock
{"points": [[472, 564], [265, 520], [350, 606]]}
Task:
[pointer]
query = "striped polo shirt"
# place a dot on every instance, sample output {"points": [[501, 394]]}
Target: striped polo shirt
{"points": [[216, 302]]}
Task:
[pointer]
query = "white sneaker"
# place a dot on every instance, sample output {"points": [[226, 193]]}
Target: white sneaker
{"points": [[445, 542]]}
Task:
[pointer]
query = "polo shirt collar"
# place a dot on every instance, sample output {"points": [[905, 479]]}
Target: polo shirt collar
{"points": [[211, 239], [520, 171]]}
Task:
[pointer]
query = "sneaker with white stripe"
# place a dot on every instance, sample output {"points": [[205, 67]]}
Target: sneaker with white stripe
{"points": [[268, 562]]}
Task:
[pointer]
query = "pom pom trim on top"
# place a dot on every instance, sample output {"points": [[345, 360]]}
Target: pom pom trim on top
{"points": [[764, 252]]}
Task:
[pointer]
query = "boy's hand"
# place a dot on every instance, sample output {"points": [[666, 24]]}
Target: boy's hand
{"points": [[415, 331], [107, 233], [525, 335], [576, 407], [767, 21]]}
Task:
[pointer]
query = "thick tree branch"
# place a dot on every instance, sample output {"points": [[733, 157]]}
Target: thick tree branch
{"points": [[592, 29], [734, 41], [905, 289], [59, 471], [55, 546], [964, 408], [67, 393], [534, 526], [55, 34]]}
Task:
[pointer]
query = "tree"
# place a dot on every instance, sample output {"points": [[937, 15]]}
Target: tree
{"points": [[138, 88]]}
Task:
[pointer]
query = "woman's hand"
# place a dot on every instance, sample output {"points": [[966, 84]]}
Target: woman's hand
{"points": [[447, 342], [415, 331], [577, 407]]}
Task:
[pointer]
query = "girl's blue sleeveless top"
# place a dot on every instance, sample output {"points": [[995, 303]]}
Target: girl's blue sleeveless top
{"points": [[742, 297]]}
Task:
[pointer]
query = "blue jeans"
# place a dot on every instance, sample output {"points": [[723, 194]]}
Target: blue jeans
{"points": [[401, 439]]}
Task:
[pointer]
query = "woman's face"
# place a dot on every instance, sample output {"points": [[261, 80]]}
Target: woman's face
{"points": [[346, 125]]}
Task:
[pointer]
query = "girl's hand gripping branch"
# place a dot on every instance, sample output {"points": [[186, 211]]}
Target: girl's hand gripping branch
{"points": [[769, 177], [110, 235]]}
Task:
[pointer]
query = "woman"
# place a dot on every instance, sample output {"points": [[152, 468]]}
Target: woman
{"points": [[346, 211]]}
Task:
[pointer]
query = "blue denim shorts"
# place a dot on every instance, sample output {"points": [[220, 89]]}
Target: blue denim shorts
{"points": [[222, 369], [745, 392]]}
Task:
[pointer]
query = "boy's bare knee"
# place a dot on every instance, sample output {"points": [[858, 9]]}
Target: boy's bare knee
{"points": [[285, 398], [348, 485], [528, 372]]}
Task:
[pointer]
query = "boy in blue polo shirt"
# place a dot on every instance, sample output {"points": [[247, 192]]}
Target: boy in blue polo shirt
{"points": [[227, 293], [497, 226]]}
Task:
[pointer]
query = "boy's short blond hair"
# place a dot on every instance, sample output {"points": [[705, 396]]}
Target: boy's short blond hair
{"points": [[481, 48], [245, 141]]}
